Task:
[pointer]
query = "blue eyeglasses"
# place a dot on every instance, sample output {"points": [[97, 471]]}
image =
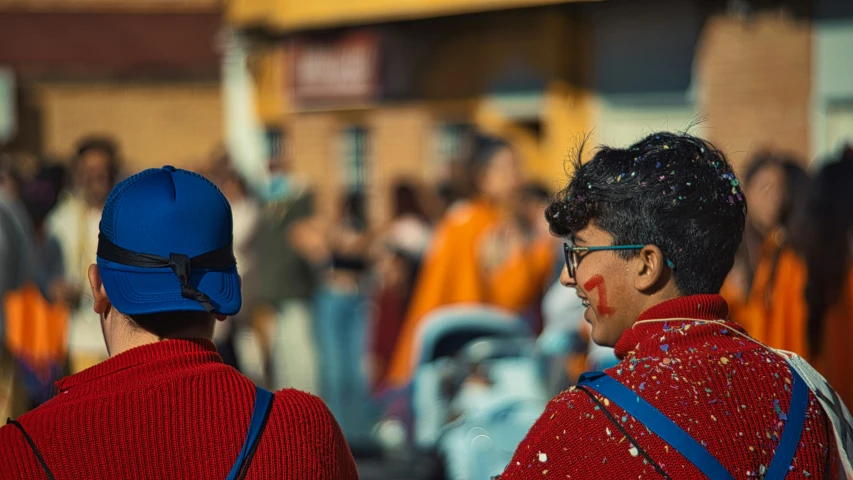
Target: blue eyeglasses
{"points": [[573, 259]]}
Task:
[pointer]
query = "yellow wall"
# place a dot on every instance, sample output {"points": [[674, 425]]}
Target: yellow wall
{"points": [[401, 143], [462, 69], [566, 118], [156, 124], [298, 14]]}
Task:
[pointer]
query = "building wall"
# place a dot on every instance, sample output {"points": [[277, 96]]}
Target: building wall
{"points": [[462, 78], [177, 123], [754, 83], [398, 149], [641, 68], [313, 148], [832, 95], [744, 83], [110, 5]]}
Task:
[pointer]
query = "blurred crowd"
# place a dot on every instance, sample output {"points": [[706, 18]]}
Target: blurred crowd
{"points": [[333, 306]]}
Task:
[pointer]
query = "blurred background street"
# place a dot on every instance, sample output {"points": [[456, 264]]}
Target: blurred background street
{"points": [[359, 141]]}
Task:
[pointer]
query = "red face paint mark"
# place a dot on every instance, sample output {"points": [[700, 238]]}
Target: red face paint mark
{"points": [[598, 282]]}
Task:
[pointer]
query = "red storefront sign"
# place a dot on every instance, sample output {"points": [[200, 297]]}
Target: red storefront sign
{"points": [[338, 67]]}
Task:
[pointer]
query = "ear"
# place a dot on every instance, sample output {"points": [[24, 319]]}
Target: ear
{"points": [[102, 302], [651, 270]]}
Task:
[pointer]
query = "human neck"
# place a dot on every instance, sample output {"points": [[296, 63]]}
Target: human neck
{"points": [[701, 307], [666, 294], [123, 337], [693, 307]]}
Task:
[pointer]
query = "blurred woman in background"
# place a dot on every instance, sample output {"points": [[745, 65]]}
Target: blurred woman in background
{"points": [[397, 259], [246, 213], [773, 313], [764, 188], [480, 253], [75, 225], [340, 308], [802, 295], [829, 264]]}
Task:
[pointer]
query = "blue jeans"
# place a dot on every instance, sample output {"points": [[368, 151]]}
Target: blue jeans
{"points": [[341, 323]]}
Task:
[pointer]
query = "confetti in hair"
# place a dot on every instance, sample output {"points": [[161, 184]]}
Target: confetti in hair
{"points": [[690, 178]]}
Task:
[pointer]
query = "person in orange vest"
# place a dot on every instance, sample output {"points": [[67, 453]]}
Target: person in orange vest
{"points": [[765, 187], [780, 274], [479, 253]]}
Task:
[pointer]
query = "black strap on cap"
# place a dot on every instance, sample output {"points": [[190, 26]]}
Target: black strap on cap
{"points": [[181, 264]]}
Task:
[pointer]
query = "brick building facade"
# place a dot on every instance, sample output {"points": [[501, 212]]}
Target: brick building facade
{"points": [[144, 72], [544, 76]]}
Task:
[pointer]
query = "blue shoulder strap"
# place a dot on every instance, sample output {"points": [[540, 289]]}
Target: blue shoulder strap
{"points": [[793, 427], [263, 405], [680, 440], [657, 422]]}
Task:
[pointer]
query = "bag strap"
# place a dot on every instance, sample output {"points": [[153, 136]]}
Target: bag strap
{"points": [[260, 415], [657, 422], [794, 422], [623, 431], [693, 451], [32, 444]]}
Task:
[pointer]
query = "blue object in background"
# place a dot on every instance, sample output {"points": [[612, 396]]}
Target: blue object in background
{"points": [[340, 328]]}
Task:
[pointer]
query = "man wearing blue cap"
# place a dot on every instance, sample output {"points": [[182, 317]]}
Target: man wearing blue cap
{"points": [[164, 405]]}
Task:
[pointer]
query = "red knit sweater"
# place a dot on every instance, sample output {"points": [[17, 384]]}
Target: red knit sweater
{"points": [[727, 392], [172, 410]]}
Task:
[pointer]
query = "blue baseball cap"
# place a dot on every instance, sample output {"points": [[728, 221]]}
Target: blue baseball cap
{"points": [[165, 245]]}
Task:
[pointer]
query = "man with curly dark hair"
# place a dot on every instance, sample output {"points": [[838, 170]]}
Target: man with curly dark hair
{"points": [[651, 232]]}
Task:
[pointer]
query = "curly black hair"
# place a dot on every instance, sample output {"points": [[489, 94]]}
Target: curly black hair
{"points": [[672, 190]]}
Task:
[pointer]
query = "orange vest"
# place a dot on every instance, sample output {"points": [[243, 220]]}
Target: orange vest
{"points": [[36, 330], [472, 260], [778, 317], [835, 359]]}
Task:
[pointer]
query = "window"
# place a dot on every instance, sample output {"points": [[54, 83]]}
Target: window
{"points": [[275, 145], [451, 143], [354, 157], [839, 126]]}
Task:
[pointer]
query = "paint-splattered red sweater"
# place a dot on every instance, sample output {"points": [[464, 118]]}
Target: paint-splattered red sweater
{"points": [[727, 392], [172, 409]]}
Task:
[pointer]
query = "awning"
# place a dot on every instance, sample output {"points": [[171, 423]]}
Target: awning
{"points": [[292, 15]]}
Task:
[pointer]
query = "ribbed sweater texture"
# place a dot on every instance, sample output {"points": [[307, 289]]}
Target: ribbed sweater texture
{"points": [[172, 410], [727, 392]]}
